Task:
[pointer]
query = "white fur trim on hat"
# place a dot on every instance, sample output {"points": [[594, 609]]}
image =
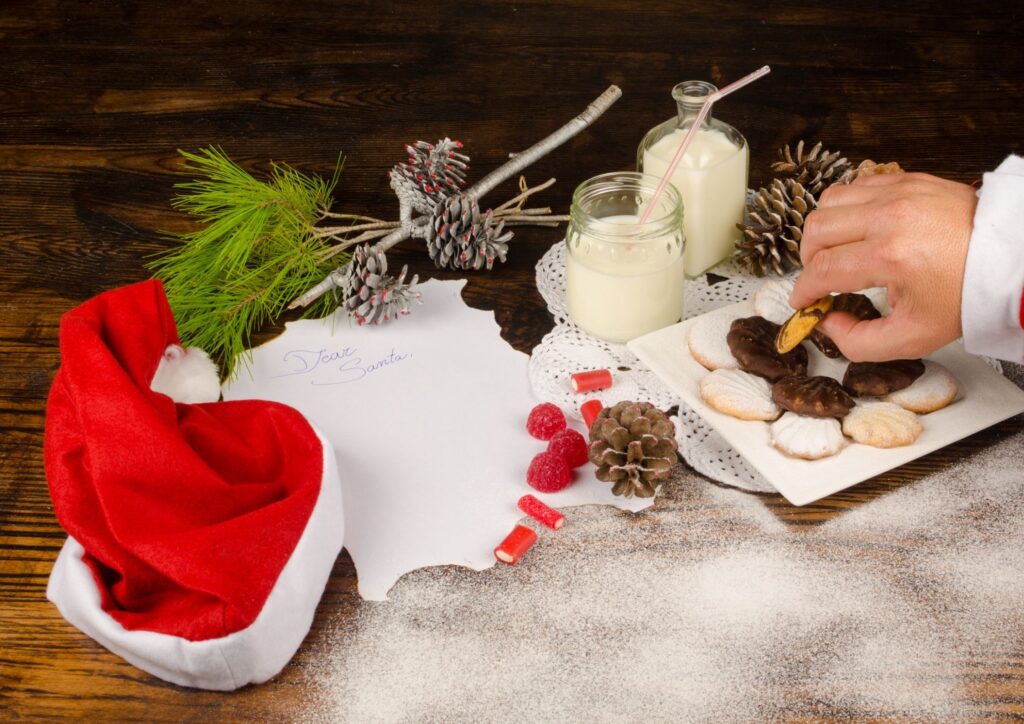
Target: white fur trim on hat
{"points": [[250, 656]]}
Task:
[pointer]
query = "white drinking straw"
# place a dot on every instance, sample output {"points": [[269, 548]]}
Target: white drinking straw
{"points": [[704, 110]]}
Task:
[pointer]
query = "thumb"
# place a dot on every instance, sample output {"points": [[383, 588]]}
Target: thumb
{"points": [[874, 340]]}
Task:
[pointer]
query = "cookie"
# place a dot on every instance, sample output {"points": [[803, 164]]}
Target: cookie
{"points": [[857, 304], [809, 438], [771, 301], [812, 396], [824, 344], [877, 379], [882, 424], [707, 341], [879, 297], [932, 391], [799, 326], [752, 342], [739, 394]]}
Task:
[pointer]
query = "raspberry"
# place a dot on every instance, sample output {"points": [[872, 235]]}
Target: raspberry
{"points": [[544, 421], [548, 473], [570, 446]]}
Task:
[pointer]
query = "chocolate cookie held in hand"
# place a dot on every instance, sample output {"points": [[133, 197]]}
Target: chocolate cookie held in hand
{"points": [[824, 344], [752, 342], [874, 379], [812, 396], [801, 323], [857, 305]]}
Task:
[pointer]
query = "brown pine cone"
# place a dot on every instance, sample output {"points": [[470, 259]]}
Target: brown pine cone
{"points": [[633, 445]]}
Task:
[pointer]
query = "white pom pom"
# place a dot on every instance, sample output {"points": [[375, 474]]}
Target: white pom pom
{"points": [[187, 375]]}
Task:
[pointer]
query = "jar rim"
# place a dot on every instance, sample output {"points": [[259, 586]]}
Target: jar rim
{"points": [[644, 184], [693, 92]]}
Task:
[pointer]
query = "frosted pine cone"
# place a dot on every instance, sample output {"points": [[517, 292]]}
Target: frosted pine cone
{"points": [[773, 229], [432, 173], [371, 296], [815, 170], [460, 237]]}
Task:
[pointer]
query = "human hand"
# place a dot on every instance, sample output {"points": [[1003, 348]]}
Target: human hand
{"points": [[907, 232]]}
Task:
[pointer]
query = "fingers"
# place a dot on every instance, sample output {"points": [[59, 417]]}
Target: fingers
{"points": [[846, 268], [884, 179], [831, 227], [848, 195], [890, 179], [876, 340]]}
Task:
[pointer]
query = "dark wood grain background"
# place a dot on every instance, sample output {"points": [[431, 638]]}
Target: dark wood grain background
{"points": [[95, 98]]}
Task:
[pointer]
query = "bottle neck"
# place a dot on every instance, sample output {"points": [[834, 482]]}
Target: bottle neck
{"points": [[689, 97]]}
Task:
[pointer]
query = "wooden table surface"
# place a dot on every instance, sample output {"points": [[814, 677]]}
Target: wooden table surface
{"points": [[95, 99]]}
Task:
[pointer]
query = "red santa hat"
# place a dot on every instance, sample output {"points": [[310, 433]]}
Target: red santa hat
{"points": [[201, 536]]}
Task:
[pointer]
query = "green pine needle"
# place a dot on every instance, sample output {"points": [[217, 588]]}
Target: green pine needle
{"points": [[254, 253]]}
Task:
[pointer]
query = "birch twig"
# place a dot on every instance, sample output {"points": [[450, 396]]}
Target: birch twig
{"points": [[417, 228], [542, 148]]}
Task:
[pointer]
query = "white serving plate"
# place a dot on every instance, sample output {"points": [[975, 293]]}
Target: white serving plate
{"points": [[986, 397]]}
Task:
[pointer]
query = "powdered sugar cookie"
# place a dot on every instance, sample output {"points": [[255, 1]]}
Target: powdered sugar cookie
{"points": [[771, 301], [882, 424], [739, 394], [707, 341], [809, 438], [932, 391]]}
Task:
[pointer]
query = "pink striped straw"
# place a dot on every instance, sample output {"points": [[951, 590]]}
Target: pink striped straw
{"points": [[704, 110]]}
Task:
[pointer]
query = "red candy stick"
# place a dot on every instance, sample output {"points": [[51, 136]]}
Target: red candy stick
{"points": [[592, 380], [589, 410], [515, 545], [541, 513]]}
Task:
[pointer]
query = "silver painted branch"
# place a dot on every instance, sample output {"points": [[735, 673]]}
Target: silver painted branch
{"points": [[418, 228], [542, 148]]}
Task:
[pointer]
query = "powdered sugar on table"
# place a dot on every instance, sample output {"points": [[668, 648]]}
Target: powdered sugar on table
{"points": [[708, 606]]}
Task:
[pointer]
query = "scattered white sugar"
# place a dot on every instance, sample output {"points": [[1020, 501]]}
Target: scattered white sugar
{"points": [[708, 606]]}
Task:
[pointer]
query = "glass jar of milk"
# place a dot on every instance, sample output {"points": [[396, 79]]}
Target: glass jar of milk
{"points": [[624, 278], [711, 177]]}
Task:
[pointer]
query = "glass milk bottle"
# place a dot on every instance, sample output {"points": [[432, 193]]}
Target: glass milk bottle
{"points": [[711, 177], [624, 278]]}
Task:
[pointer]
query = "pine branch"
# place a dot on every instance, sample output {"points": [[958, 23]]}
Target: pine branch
{"points": [[256, 249]]}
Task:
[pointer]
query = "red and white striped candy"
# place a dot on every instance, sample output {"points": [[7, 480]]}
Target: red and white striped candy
{"points": [[590, 410], [591, 380], [541, 513], [515, 545]]}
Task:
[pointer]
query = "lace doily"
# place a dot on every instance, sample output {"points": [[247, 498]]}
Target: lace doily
{"points": [[567, 349]]}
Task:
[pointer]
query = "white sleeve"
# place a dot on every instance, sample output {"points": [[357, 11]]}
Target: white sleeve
{"points": [[991, 307]]}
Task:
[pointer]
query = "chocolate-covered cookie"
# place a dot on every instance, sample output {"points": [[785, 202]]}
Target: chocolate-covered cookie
{"points": [[874, 379], [856, 304], [812, 396], [859, 305], [824, 344], [752, 342]]}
